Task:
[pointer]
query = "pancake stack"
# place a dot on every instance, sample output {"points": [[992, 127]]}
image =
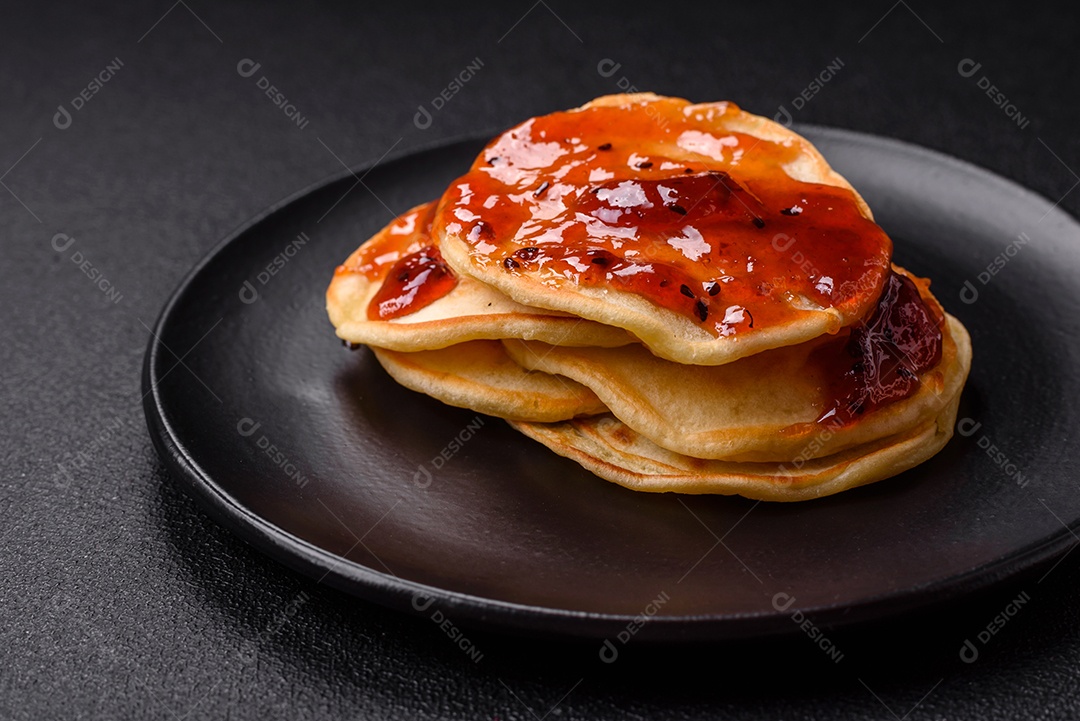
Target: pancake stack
{"points": [[680, 297]]}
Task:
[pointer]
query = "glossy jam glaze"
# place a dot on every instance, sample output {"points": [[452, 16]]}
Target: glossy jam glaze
{"points": [[404, 258], [414, 282], [655, 198]]}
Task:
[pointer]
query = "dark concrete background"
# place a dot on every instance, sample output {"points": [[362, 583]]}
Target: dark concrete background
{"points": [[120, 599]]}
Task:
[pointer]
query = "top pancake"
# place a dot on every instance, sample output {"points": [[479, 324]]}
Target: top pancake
{"points": [[709, 233], [469, 311]]}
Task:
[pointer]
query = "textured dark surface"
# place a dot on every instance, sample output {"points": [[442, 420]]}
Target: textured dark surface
{"points": [[499, 521], [122, 600]]}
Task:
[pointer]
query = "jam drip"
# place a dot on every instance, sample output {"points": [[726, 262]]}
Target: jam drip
{"points": [[884, 356], [413, 282]]}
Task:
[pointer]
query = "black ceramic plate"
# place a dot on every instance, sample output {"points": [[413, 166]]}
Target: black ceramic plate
{"points": [[311, 453]]}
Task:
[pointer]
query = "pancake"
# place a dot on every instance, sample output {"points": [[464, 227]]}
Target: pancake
{"points": [[762, 408], [614, 452], [708, 233], [469, 310], [479, 375], [680, 297]]}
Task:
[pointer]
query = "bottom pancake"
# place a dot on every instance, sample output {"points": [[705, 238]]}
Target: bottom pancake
{"points": [[479, 375], [611, 450]]}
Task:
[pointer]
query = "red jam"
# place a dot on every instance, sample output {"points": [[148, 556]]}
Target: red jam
{"points": [[414, 282], [410, 232], [411, 269], [884, 356], [655, 199]]}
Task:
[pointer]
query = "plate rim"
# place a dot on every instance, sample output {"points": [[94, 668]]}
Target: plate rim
{"points": [[486, 613]]}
